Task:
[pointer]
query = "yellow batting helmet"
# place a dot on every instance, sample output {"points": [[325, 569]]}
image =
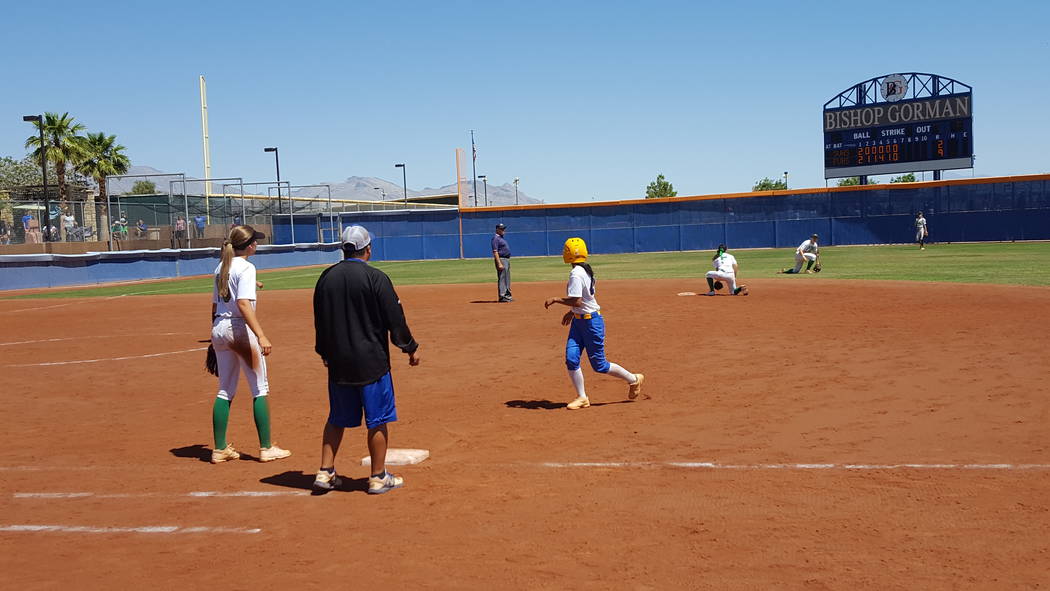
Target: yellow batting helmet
{"points": [[575, 251]]}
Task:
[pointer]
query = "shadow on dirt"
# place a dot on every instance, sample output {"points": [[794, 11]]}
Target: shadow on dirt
{"points": [[197, 451], [304, 481]]}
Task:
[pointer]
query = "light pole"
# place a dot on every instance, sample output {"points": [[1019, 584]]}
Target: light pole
{"points": [[485, 180], [381, 192], [404, 181], [277, 161], [39, 120], [785, 179], [516, 179]]}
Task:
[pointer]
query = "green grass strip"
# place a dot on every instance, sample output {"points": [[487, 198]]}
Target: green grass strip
{"points": [[1021, 263]]}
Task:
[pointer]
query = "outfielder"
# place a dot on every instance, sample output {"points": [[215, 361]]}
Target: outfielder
{"points": [[726, 269], [921, 232], [808, 252], [240, 344], [586, 326]]}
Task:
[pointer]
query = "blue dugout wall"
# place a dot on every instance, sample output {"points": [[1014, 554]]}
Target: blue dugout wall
{"points": [[1002, 209], [55, 270]]}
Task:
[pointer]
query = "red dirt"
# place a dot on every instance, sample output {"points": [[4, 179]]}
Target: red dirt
{"points": [[802, 371]]}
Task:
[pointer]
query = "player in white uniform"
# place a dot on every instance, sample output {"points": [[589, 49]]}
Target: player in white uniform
{"points": [[726, 269], [921, 231], [586, 327], [807, 253], [240, 344]]}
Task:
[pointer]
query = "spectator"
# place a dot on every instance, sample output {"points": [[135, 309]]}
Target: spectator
{"points": [[68, 224], [28, 217], [5, 233], [180, 232], [123, 225], [141, 229], [199, 221]]}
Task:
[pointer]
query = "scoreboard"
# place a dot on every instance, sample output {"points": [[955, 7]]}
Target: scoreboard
{"points": [[932, 133]]}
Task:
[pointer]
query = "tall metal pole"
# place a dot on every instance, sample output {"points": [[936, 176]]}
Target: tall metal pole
{"points": [[404, 181], [43, 170], [516, 179], [474, 161]]}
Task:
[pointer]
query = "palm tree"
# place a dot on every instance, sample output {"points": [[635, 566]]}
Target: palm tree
{"points": [[102, 157], [62, 145]]}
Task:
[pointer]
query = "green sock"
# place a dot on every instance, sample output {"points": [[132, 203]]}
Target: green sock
{"points": [[220, 416], [261, 411]]}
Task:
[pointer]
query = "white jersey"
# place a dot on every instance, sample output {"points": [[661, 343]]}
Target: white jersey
{"points": [[920, 224], [808, 246], [581, 286], [242, 287], [724, 263]]}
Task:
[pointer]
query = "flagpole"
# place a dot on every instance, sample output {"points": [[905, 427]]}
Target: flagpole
{"points": [[474, 161]]}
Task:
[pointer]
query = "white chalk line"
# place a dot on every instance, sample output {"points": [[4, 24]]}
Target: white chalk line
{"points": [[717, 466], [194, 494], [110, 336], [148, 355], [146, 529], [35, 308]]}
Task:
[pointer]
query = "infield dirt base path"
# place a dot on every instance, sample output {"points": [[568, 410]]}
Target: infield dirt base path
{"points": [[802, 371]]}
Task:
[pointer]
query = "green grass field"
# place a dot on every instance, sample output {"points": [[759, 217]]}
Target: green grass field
{"points": [[1026, 263]]}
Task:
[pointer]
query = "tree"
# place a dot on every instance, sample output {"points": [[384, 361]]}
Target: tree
{"points": [[904, 178], [143, 188], [768, 184], [62, 145], [660, 188], [102, 156], [22, 173], [853, 181]]}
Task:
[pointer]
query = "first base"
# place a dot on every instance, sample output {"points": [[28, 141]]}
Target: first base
{"points": [[401, 457], [686, 293]]}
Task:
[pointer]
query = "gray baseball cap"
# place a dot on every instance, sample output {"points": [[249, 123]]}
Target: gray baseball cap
{"points": [[356, 236]]}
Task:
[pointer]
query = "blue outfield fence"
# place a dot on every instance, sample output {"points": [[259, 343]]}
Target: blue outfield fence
{"points": [[957, 211], [998, 209]]}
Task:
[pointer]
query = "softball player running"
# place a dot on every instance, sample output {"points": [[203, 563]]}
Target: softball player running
{"points": [[726, 269], [920, 230], [240, 344], [807, 253], [586, 326]]}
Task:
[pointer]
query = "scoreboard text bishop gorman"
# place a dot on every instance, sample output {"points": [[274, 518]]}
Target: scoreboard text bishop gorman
{"points": [[902, 112]]}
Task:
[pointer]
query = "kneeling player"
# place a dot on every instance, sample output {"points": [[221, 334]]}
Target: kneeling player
{"points": [[808, 253], [726, 270]]}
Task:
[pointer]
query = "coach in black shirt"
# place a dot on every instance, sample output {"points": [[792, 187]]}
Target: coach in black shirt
{"points": [[357, 314]]}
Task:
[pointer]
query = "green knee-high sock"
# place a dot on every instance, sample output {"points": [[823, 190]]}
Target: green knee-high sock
{"points": [[261, 411], [220, 417]]}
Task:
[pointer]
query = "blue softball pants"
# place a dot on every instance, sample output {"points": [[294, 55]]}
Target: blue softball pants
{"points": [[586, 335]]}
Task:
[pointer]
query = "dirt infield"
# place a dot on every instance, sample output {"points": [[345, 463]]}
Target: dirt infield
{"points": [[771, 454]]}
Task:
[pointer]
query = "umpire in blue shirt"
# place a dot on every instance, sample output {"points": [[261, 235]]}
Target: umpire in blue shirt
{"points": [[501, 253]]}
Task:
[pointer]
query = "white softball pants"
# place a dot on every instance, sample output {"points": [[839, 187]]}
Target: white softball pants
{"points": [[802, 258], [237, 349], [729, 278]]}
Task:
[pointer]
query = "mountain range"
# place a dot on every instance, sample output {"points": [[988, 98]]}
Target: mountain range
{"points": [[354, 187]]}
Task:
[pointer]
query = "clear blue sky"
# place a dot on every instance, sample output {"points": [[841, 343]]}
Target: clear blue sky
{"points": [[582, 100]]}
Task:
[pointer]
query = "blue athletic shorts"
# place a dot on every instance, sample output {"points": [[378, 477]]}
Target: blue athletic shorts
{"points": [[376, 401]]}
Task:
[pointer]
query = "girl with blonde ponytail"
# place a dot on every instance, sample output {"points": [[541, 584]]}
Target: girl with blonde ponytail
{"points": [[240, 344]]}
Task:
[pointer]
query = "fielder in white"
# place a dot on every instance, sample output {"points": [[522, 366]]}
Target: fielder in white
{"points": [[240, 345], [921, 231], [807, 253], [726, 269]]}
